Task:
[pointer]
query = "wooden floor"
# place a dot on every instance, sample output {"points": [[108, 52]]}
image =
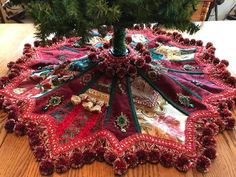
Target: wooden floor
{"points": [[16, 159]]}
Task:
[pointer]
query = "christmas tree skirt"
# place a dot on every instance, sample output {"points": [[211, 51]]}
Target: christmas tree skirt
{"points": [[164, 102]]}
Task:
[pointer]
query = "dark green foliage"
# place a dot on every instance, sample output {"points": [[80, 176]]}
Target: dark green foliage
{"points": [[78, 17]]}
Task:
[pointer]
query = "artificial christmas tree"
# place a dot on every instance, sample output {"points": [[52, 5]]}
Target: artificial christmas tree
{"points": [[123, 96], [77, 18]]}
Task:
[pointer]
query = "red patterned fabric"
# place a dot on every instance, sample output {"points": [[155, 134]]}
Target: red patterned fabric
{"points": [[183, 97]]}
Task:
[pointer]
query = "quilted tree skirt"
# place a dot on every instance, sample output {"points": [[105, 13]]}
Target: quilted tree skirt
{"points": [[164, 102]]}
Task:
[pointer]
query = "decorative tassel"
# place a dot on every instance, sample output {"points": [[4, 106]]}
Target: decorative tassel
{"points": [[183, 163], [167, 159], [120, 166], [89, 156], [62, 165], [154, 156], [142, 156], [9, 125], [210, 153], [131, 160], [39, 153], [46, 167], [76, 159], [203, 164], [100, 154], [208, 141], [20, 129], [110, 157], [229, 123]]}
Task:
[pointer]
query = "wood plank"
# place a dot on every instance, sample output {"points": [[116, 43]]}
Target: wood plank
{"points": [[19, 162], [3, 134], [13, 37]]}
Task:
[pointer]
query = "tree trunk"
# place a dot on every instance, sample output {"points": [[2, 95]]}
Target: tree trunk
{"points": [[119, 47]]}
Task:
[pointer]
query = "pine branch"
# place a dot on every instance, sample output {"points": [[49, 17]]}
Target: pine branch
{"points": [[78, 17]]}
